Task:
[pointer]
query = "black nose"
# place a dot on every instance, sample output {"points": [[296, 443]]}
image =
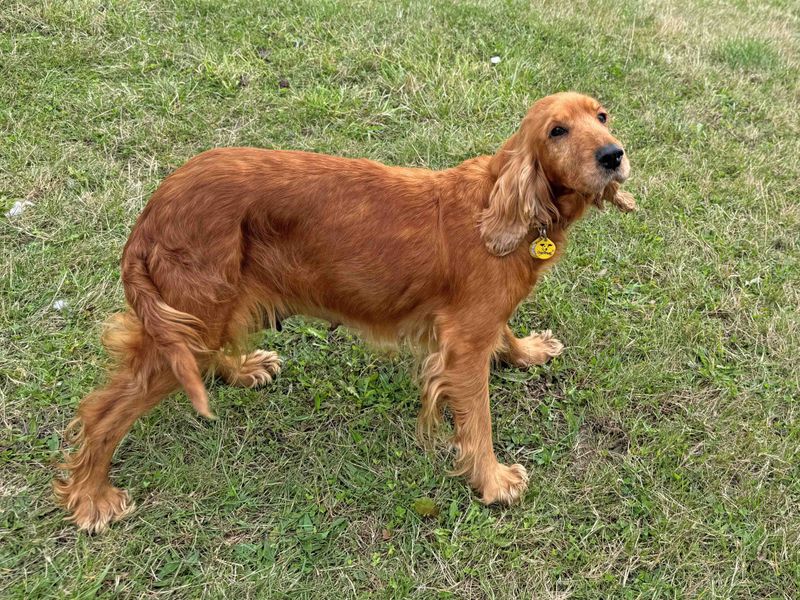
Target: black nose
{"points": [[609, 156]]}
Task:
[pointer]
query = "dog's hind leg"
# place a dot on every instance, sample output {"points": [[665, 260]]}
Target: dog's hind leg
{"points": [[536, 349], [255, 368], [142, 379], [104, 417], [249, 370]]}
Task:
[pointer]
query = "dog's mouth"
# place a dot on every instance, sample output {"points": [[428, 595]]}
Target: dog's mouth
{"points": [[603, 178], [621, 173]]}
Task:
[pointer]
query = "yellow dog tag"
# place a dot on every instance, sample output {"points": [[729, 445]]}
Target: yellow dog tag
{"points": [[543, 247]]}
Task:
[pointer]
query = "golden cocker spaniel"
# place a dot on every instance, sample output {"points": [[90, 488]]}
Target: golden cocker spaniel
{"points": [[238, 238]]}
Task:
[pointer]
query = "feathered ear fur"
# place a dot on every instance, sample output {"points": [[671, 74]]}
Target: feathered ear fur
{"points": [[624, 201], [521, 198]]}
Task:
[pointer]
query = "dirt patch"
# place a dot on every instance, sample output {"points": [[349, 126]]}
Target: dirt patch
{"points": [[599, 439], [547, 385]]}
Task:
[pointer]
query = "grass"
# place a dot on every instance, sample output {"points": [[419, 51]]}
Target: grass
{"points": [[662, 446]]}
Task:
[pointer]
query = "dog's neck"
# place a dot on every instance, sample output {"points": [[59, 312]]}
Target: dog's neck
{"points": [[571, 207]]}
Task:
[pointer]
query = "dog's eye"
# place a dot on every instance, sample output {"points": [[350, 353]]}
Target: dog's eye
{"points": [[557, 131], [602, 117]]}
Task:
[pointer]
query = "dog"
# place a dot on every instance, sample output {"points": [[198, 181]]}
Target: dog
{"points": [[239, 238]]}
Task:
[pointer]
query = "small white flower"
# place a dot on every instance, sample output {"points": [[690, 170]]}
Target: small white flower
{"points": [[59, 304], [18, 208], [495, 60]]}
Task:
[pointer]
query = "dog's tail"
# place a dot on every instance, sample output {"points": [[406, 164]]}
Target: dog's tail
{"points": [[177, 335]]}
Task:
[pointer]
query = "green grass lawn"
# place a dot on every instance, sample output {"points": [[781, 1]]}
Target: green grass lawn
{"points": [[662, 446]]}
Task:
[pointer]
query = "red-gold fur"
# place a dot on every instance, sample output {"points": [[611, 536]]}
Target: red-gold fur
{"points": [[239, 237]]}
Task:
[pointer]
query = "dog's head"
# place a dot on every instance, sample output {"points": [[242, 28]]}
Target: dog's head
{"points": [[563, 147]]}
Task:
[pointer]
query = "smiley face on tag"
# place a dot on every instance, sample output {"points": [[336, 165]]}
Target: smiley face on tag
{"points": [[543, 248]]}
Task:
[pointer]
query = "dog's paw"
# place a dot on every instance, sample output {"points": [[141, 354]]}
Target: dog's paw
{"points": [[94, 512], [550, 346], [536, 349], [257, 368], [505, 485], [624, 201]]}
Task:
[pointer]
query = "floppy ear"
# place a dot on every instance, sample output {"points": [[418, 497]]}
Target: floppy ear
{"points": [[521, 199], [624, 201]]}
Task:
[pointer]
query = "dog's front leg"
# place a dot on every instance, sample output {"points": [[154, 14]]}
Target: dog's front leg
{"points": [[458, 376]]}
